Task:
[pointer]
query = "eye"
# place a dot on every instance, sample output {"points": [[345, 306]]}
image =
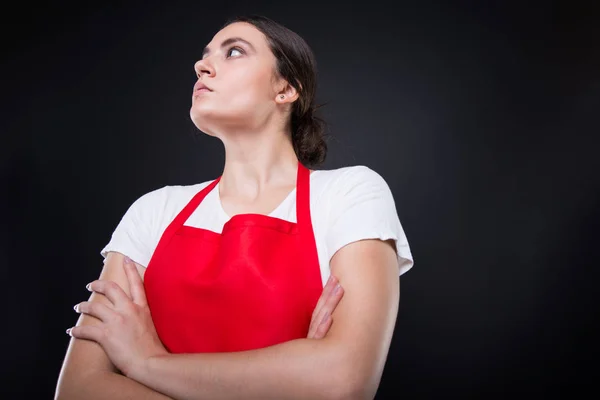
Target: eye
{"points": [[232, 49]]}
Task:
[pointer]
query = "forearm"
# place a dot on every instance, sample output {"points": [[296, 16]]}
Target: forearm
{"points": [[299, 369], [107, 385]]}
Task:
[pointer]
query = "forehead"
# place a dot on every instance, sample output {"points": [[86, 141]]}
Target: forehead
{"points": [[243, 30]]}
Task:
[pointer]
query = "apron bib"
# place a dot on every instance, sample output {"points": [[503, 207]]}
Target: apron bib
{"points": [[254, 285]]}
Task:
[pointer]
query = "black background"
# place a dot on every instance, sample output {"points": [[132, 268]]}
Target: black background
{"points": [[481, 116]]}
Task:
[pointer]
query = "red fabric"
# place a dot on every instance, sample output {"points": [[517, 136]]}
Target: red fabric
{"points": [[254, 285]]}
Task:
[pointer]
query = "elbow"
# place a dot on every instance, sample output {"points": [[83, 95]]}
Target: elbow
{"points": [[345, 373], [67, 391], [64, 388], [354, 391], [63, 393], [60, 395], [354, 382], [75, 386]]}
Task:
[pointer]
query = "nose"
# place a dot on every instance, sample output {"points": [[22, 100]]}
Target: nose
{"points": [[203, 67]]}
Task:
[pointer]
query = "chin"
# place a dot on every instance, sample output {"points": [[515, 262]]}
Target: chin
{"points": [[210, 120], [203, 119]]}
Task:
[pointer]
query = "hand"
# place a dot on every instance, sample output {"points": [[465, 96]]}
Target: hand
{"points": [[321, 317], [126, 332]]}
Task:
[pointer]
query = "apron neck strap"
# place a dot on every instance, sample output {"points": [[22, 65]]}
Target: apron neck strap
{"points": [[303, 197]]}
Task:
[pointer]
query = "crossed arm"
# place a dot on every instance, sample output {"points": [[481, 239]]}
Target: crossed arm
{"points": [[347, 363]]}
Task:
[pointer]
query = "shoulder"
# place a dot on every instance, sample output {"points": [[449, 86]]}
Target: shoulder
{"points": [[354, 173], [352, 181], [141, 227], [360, 205], [166, 198]]}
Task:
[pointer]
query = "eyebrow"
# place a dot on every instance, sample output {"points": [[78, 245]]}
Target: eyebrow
{"points": [[227, 42]]}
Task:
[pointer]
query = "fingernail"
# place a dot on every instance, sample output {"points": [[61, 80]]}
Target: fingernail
{"points": [[338, 289], [88, 286], [69, 332], [75, 307], [127, 260]]}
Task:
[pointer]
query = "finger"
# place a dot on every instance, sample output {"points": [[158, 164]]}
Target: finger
{"points": [[331, 303], [323, 327], [317, 312], [331, 282], [136, 285], [88, 332], [111, 290], [312, 334], [333, 300], [95, 309]]}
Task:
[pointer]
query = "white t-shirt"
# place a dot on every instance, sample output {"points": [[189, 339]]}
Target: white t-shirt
{"points": [[346, 204]]}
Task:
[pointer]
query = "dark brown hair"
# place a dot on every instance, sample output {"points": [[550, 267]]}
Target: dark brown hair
{"points": [[296, 64]]}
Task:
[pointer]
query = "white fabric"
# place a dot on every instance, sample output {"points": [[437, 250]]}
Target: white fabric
{"points": [[347, 204]]}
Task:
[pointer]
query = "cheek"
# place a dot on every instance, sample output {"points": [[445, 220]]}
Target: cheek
{"points": [[243, 94], [247, 99], [249, 87]]}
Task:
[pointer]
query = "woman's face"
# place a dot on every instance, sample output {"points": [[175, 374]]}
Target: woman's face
{"points": [[239, 69]]}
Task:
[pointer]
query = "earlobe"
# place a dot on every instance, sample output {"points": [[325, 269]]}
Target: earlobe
{"points": [[282, 98], [286, 93], [286, 97]]}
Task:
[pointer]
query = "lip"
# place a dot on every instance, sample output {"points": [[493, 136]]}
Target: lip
{"points": [[200, 87]]}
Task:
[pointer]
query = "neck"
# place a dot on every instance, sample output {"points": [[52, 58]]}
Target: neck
{"points": [[255, 163]]}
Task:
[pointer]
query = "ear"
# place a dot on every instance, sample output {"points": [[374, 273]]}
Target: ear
{"points": [[288, 94]]}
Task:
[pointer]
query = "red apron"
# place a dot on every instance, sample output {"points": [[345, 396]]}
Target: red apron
{"points": [[254, 285]]}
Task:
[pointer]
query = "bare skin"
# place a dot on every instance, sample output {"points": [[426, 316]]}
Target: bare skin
{"points": [[248, 109], [87, 371]]}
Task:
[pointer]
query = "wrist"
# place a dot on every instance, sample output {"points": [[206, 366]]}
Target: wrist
{"points": [[138, 371]]}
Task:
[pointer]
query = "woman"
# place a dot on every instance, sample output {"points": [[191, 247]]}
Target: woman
{"points": [[234, 301]]}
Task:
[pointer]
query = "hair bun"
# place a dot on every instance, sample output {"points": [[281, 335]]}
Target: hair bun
{"points": [[308, 137]]}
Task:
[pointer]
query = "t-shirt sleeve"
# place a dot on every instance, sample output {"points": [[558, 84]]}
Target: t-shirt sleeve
{"points": [[136, 235], [362, 207]]}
